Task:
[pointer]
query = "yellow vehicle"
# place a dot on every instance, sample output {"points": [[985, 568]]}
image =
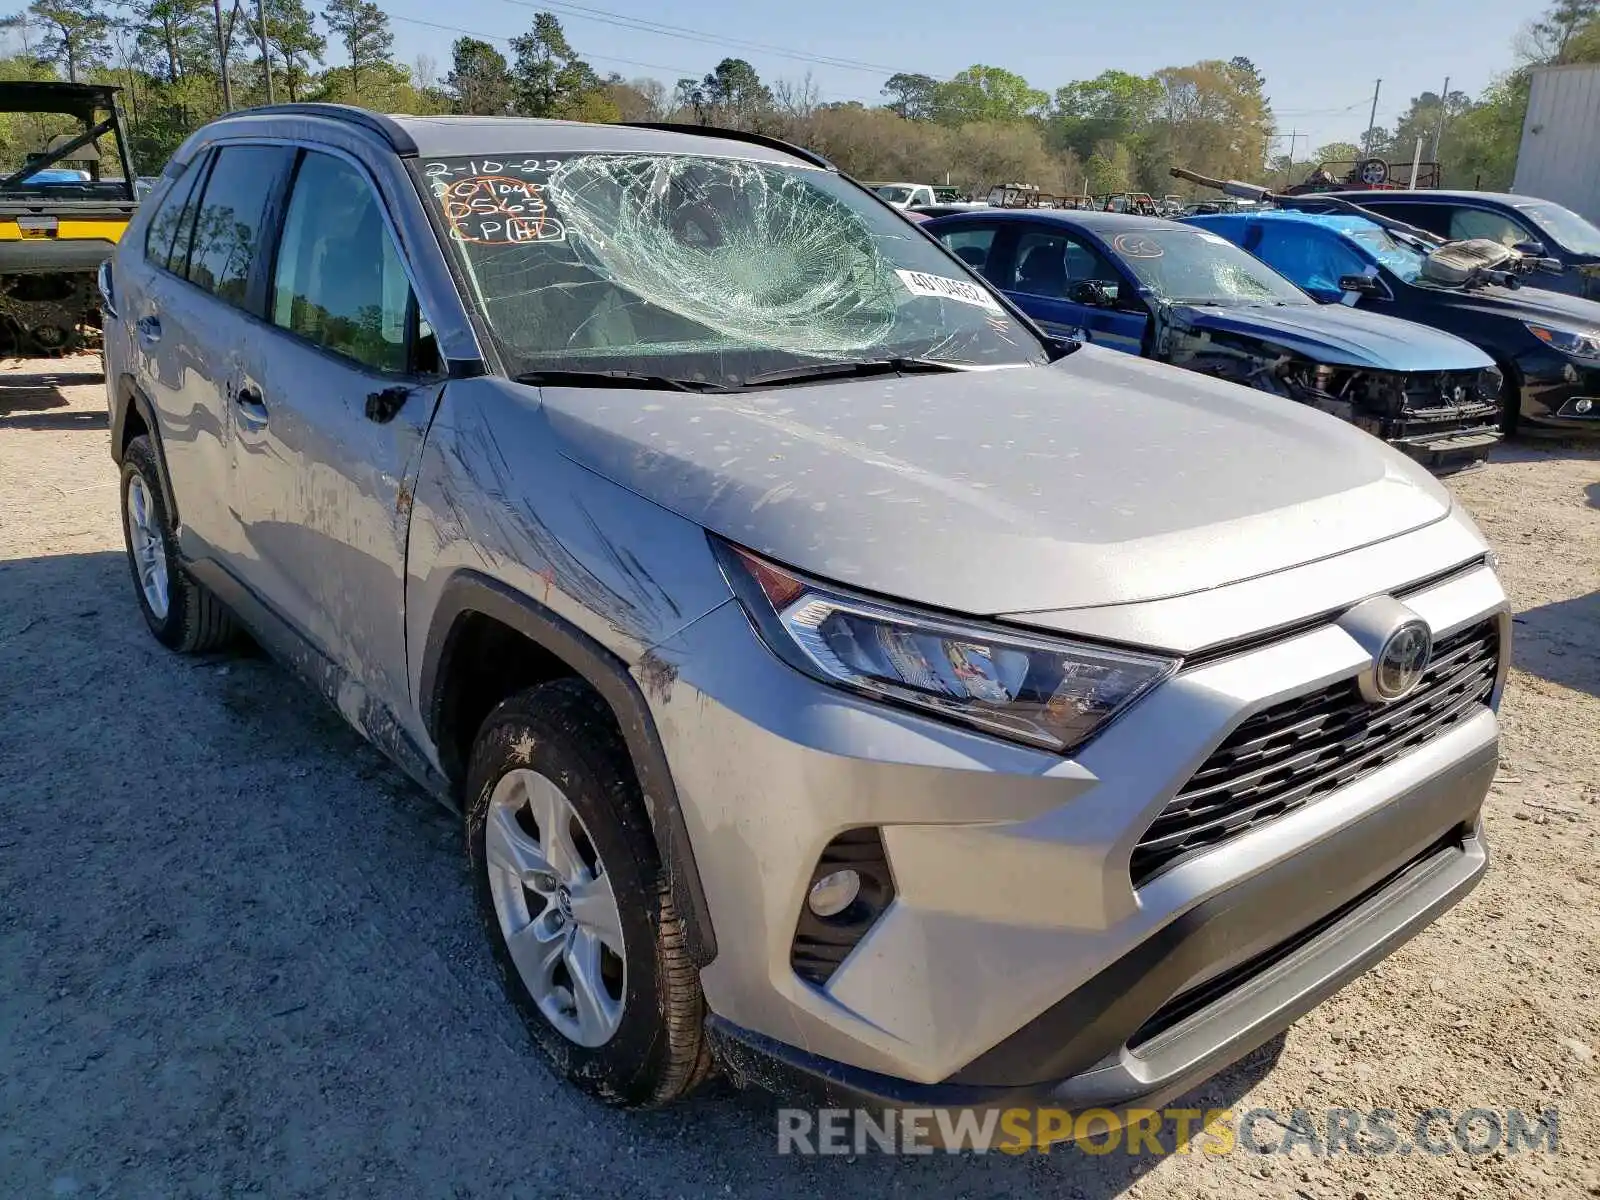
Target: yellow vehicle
{"points": [[66, 195]]}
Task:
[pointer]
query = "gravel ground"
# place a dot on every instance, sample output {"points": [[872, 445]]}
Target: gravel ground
{"points": [[237, 952]]}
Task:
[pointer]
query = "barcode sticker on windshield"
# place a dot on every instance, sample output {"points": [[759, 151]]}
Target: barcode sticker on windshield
{"points": [[919, 283]]}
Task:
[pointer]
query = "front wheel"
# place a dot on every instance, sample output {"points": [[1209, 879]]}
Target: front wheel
{"points": [[575, 900], [1510, 402]]}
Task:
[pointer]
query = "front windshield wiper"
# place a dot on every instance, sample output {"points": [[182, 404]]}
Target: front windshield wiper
{"points": [[871, 366], [560, 377]]}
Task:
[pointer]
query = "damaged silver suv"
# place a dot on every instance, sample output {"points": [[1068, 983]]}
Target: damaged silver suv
{"points": [[840, 681]]}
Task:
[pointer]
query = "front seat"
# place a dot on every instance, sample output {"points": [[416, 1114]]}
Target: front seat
{"points": [[1043, 272]]}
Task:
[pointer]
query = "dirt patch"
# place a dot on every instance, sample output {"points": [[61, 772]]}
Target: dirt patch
{"points": [[239, 952]]}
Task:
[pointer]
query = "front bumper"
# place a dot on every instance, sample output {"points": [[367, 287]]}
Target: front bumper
{"points": [[38, 256], [1018, 958], [1553, 391], [1213, 1026], [1445, 450]]}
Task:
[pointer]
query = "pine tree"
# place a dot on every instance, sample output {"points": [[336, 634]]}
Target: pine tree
{"points": [[363, 29]]}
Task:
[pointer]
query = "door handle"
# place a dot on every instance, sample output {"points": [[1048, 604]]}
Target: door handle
{"points": [[252, 409], [149, 329]]}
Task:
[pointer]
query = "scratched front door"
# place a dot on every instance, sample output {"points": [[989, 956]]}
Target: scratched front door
{"points": [[336, 396]]}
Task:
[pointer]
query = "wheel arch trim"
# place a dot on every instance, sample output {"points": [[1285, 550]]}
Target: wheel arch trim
{"points": [[469, 592], [127, 394]]}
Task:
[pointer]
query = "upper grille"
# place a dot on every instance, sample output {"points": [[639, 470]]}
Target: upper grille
{"points": [[1293, 752], [1432, 395]]}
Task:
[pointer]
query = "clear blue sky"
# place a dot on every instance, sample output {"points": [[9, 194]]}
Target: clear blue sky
{"points": [[1320, 58]]}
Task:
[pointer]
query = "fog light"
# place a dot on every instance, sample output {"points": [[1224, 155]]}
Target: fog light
{"points": [[1582, 407], [834, 893]]}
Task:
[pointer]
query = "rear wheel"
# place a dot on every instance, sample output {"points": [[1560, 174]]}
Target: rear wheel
{"points": [[575, 900], [182, 614]]}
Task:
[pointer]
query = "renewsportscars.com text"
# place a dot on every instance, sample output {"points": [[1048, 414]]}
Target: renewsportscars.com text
{"points": [[1373, 1132]]}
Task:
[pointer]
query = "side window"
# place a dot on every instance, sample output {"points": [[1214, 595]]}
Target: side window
{"points": [[228, 225], [340, 281], [175, 213], [1084, 262], [971, 245], [1048, 264], [1313, 259], [1435, 218], [1481, 223], [1040, 265]]}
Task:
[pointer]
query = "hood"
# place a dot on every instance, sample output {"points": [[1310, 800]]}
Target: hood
{"points": [[1343, 337], [1530, 304], [1101, 479]]}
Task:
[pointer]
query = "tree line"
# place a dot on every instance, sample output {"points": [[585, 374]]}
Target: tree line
{"points": [[182, 62]]}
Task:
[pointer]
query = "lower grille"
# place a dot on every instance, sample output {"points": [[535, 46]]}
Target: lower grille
{"points": [[1185, 1004], [1289, 754]]}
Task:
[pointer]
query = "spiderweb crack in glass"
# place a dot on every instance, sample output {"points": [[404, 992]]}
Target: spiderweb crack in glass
{"points": [[704, 268], [772, 261]]}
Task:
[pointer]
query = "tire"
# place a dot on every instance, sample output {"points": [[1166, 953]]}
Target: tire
{"points": [[192, 620], [563, 735], [1510, 402]]}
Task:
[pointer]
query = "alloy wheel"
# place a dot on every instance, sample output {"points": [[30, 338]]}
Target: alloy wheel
{"points": [[556, 907], [149, 545]]}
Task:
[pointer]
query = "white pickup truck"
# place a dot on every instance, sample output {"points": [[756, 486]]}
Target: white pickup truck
{"points": [[905, 195]]}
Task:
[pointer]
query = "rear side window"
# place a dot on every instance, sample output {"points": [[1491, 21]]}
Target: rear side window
{"points": [[163, 245], [228, 225], [1435, 218], [340, 282]]}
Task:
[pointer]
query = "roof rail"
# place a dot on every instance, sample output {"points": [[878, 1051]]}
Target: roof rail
{"points": [[736, 135], [388, 129], [1321, 202]]}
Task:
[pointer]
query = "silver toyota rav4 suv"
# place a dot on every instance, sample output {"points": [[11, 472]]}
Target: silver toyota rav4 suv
{"points": [[840, 682]]}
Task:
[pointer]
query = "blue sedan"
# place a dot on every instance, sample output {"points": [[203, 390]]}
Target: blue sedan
{"points": [[1183, 295]]}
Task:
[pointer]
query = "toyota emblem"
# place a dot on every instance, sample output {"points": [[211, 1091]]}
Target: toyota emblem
{"points": [[1402, 661], [1398, 647]]}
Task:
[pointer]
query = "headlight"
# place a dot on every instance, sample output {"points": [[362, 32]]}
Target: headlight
{"points": [[1046, 692], [1579, 344]]}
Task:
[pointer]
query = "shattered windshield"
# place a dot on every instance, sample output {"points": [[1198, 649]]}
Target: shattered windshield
{"points": [[1564, 225], [707, 269], [1404, 259], [1191, 266]]}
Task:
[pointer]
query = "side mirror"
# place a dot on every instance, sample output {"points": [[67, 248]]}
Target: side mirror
{"points": [[1362, 285], [1091, 292], [1531, 249]]}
